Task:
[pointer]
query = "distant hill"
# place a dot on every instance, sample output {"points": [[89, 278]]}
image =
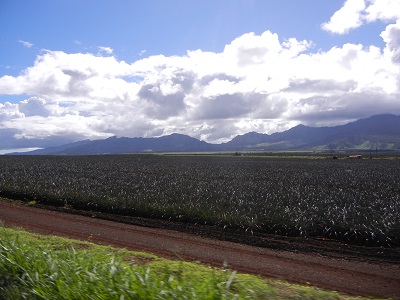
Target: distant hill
{"points": [[381, 131], [113, 145]]}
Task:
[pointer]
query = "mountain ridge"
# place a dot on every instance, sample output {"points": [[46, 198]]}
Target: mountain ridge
{"points": [[379, 131]]}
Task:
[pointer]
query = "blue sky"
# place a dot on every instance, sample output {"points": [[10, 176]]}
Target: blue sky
{"points": [[159, 26], [72, 70]]}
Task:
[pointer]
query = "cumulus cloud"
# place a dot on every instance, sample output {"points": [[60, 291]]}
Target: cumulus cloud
{"points": [[383, 10], [257, 83], [355, 13], [348, 17], [34, 107], [391, 36]]}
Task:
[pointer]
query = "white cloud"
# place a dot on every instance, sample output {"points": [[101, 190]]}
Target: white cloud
{"points": [[383, 10], [257, 83], [348, 17], [355, 13], [56, 74], [26, 44], [107, 50], [9, 111], [391, 36]]}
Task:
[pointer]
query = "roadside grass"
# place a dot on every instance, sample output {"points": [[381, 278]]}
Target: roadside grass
{"points": [[34, 266]]}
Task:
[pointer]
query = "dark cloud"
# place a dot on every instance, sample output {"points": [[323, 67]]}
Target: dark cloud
{"points": [[160, 106], [320, 86], [229, 106], [10, 139], [338, 109], [220, 76], [77, 84], [185, 79], [34, 107], [269, 107], [393, 36]]}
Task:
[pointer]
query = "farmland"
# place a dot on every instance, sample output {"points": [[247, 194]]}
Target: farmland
{"points": [[355, 201]]}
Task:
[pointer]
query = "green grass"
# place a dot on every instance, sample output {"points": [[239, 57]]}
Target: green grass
{"points": [[35, 266]]}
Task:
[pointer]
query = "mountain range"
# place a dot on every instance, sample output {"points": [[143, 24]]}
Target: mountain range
{"points": [[377, 132]]}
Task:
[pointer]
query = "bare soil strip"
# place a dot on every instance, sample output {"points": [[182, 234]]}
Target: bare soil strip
{"points": [[348, 275]]}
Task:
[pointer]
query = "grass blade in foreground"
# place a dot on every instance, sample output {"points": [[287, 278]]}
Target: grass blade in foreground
{"points": [[44, 267]]}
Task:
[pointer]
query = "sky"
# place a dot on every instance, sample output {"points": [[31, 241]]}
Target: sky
{"points": [[72, 70]]}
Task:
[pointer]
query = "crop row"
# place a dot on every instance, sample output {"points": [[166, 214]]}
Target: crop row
{"points": [[352, 200]]}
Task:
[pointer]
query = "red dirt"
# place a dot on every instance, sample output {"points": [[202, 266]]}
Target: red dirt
{"points": [[348, 269]]}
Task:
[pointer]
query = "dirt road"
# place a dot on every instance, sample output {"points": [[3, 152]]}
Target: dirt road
{"points": [[353, 276]]}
